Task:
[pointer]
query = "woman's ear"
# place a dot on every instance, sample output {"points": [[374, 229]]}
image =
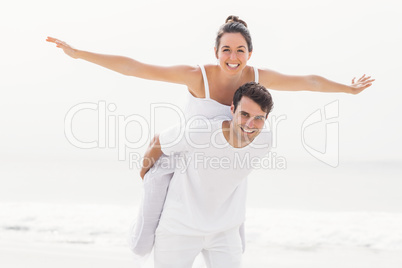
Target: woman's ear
{"points": [[249, 54], [216, 52]]}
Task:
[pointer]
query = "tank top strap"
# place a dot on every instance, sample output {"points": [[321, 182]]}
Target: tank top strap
{"points": [[256, 77], [204, 77]]}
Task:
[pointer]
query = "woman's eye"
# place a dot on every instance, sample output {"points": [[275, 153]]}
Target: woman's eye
{"points": [[241, 51]]}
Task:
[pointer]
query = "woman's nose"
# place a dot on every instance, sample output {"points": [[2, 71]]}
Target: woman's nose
{"points": [[233, 56]]}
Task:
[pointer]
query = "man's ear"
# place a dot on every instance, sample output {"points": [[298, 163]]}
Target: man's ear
{"points": [[232, 108]]}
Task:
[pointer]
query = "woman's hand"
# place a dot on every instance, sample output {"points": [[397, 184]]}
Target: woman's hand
{"points": [[361, 84], [143, 171], [70, 51]]}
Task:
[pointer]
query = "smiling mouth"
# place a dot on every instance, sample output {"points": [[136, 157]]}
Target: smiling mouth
{"points": [[232, 66], [247, 131]]}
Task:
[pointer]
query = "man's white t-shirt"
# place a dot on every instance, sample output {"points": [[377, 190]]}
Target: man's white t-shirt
{"points": [[205, 194]]}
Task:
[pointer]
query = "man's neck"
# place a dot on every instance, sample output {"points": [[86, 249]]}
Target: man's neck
{"points": [[231, 137]]}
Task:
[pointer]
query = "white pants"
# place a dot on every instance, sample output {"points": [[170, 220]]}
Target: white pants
{"points": [[220, 250]]}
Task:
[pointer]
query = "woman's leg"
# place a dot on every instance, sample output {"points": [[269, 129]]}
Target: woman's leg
{"points": [[156, 184]]}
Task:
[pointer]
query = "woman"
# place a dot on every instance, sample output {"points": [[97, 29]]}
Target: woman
{"points": [[211, 89]]}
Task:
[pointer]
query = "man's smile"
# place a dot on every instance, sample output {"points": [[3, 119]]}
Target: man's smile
{"points": [[248, 131]]}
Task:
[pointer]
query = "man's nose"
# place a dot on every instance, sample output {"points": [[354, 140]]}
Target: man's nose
{"points": [[250, 123]]}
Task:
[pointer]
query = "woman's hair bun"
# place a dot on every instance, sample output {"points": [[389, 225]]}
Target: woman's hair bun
{"points": [[233, 18]]}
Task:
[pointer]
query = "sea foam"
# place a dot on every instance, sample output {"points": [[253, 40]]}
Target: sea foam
{"points": [[109, 225]]}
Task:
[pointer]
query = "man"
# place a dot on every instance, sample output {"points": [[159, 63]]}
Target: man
{"points": [[205, 204]]}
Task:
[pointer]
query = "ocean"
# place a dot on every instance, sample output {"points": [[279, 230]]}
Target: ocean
{"points": [[108, 225]]}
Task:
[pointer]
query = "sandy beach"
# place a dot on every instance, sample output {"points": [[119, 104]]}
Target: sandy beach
{"points": [[16, 254], [54, 235]]}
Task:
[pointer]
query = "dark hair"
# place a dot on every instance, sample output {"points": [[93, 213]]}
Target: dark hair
{"points": [[234, 25], [258, 93]]}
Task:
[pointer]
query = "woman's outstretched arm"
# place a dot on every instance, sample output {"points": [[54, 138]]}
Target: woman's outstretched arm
{"points": [[275, 80], [185, 75]]}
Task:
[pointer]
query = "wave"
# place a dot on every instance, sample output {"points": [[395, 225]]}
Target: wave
{"points": [[109, 225]]}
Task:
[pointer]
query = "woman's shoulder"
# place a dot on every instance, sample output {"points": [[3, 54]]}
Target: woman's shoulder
{"points": [[196, 85]]}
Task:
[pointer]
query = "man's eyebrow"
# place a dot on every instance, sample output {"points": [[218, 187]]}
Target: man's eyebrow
{"points": [[246, 113]]}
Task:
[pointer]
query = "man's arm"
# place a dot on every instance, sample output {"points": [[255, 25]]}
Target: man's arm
{"points": [[152, 154]]}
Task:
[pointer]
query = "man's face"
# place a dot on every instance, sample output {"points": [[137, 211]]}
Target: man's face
{"points": [[248, 120]]}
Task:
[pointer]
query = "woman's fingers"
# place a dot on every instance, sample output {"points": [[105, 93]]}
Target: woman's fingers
{"points": [[363, 80], [369, 81], [362, 77], [51, 39], [63, 45], [56, 41]]}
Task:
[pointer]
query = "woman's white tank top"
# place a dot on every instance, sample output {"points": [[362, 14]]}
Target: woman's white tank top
{"points": [[207, 107]]}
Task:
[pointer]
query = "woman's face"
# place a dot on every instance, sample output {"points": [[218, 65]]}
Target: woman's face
{"points": [[232, 53]]}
